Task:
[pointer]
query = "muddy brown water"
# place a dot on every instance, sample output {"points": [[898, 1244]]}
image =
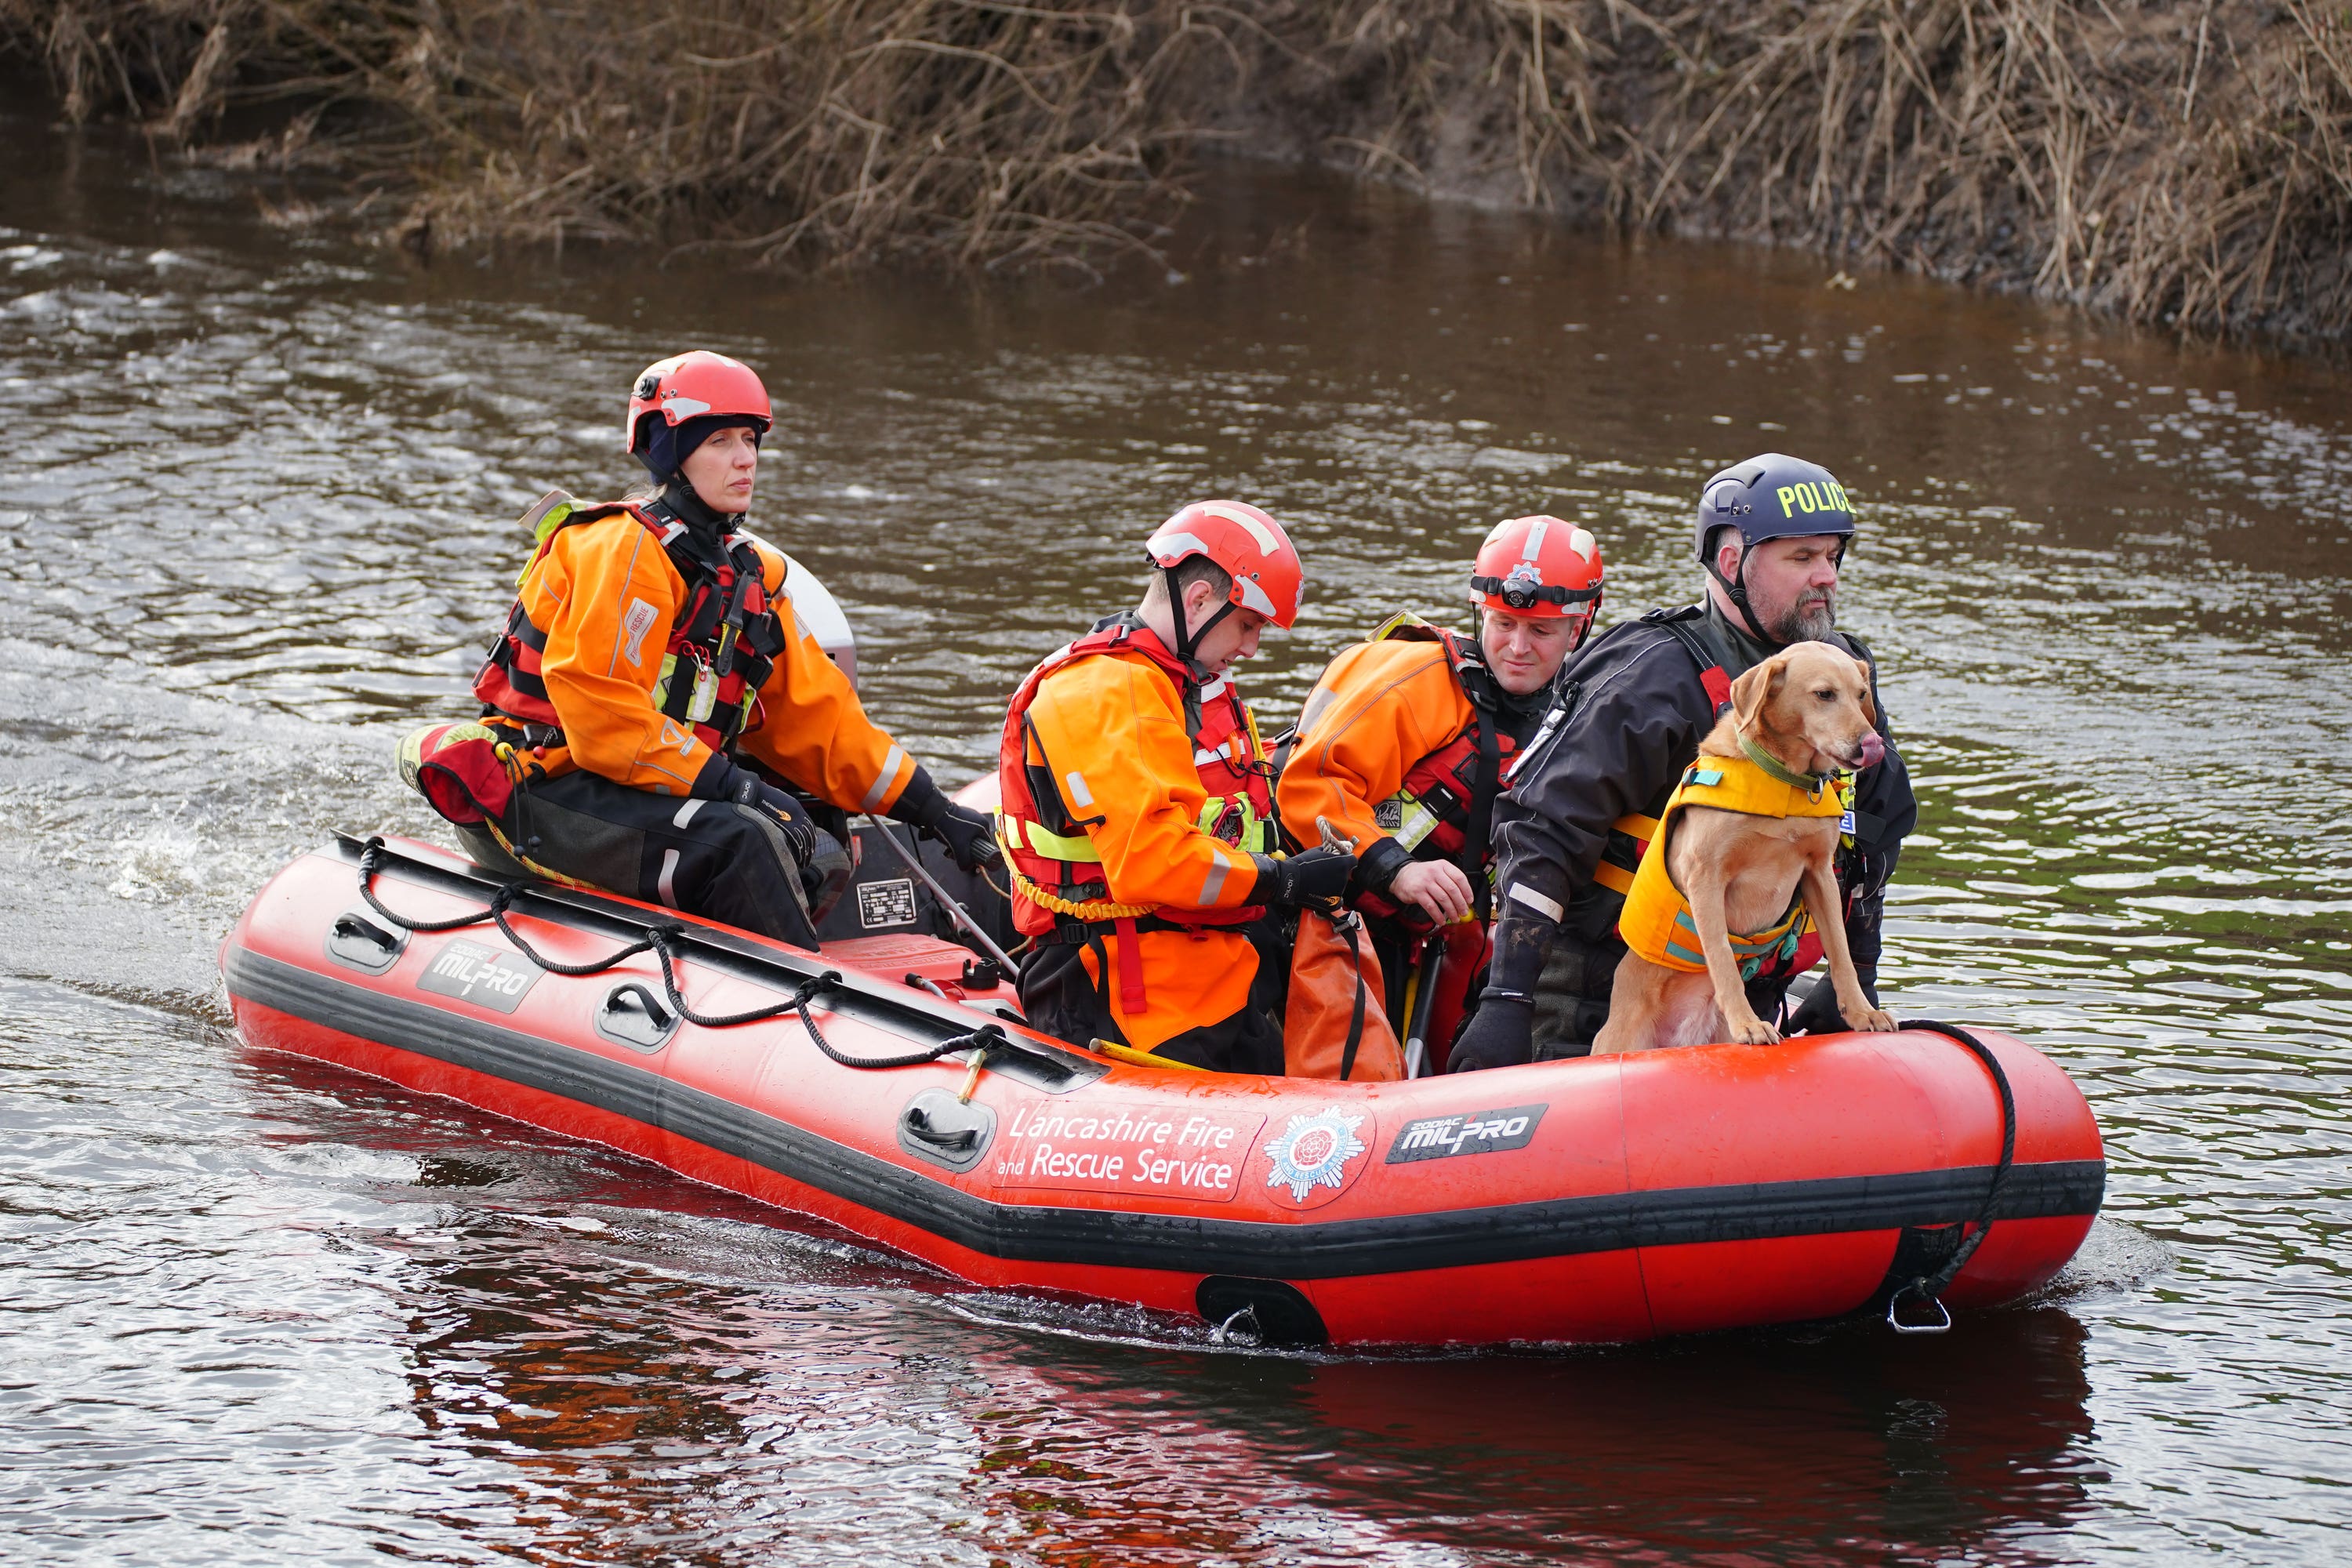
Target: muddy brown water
{"points": [[255, 493]]}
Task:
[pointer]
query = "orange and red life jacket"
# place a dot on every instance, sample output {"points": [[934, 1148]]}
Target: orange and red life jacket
{"points": [[724, 643], [1059, 884]]}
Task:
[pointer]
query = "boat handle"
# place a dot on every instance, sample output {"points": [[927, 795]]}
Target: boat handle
{"points": [[919, 1125], [628, 1012], [360, 928]]}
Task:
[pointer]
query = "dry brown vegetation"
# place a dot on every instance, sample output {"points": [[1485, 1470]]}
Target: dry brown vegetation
{"points": [[2178, 160]]}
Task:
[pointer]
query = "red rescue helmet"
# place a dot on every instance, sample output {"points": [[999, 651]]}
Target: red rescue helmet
{"points": [[1543, 567], [1249, 545], [689, 386]]}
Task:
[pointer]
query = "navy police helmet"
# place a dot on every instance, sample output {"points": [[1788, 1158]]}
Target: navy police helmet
{"points": [[1773, 496]]}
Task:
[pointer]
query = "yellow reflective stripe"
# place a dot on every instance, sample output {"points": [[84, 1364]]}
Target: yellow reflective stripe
{"points": [[1616, 878], [1053, 847], [661, 686]]}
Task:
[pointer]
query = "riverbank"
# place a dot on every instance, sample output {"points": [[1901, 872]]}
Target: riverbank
{"points": [[2187, 163]]}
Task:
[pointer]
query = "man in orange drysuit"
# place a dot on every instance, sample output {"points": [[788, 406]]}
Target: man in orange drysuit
{"points": [[1400, 746], [1137, 815], [652, 687]]}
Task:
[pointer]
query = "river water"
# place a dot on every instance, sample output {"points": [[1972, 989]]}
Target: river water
{"points": [[255, 496]]}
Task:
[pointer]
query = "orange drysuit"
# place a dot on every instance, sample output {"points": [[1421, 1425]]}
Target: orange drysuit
{"points": [[1381, 710], [1164, 826], [605, 596]]}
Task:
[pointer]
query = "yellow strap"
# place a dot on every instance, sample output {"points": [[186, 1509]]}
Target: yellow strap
{"points": [[1098, 909], [1053, 847], [1643, 830], [1134, 1057]]}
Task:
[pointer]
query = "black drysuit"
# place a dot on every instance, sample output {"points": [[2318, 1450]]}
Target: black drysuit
{"points": [[1632, 714]]}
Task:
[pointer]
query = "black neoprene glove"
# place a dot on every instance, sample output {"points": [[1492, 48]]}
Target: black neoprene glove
{"points": [[721, 779], [801, 834], [1316, 876], [1377, 867], [1818, 1012], [969, 834], [1498, 1036], [824, 866]]}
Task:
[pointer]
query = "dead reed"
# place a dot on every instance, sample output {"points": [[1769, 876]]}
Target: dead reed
{"points": [[2180, 160]]}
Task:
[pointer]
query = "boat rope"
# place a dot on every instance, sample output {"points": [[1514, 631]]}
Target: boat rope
{"points": [[1929, 1288], [664, 941]]}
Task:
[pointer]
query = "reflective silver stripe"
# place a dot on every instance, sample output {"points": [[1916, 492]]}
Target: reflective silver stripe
{"points": [[1535, 538], [872, 801], [1169, 548], [669, 869], [1079, 793], [685, 813], [1538, 902], [1212, 884]]}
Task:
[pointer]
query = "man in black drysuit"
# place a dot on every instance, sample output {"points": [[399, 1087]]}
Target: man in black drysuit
{"points": [[1635, 703]]}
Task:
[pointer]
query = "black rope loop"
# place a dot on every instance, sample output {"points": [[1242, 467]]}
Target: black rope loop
{"points": [[665, 940], [372, 862], [986, 1038], [1928, 1287], [665, 943], [504, 898]]}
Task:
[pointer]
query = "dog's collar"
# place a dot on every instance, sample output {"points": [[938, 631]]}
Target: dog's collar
{"points": [[1811, 784]]}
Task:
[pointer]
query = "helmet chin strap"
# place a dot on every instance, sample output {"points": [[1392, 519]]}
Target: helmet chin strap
{"points": [[1737, 589], [1188, 641]]}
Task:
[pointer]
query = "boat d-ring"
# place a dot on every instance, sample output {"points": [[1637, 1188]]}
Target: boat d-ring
{"points": [[1900, 1327]]}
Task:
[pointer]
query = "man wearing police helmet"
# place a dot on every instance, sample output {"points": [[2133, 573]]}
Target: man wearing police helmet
{"points": [[1584, 796]]}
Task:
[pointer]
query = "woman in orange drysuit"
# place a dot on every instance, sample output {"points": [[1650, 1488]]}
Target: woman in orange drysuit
{"points": [[1137, 815], [652, 689], [1402, 746]]}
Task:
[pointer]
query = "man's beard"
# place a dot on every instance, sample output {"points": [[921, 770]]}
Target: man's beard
{"points": [[1810, 619]]}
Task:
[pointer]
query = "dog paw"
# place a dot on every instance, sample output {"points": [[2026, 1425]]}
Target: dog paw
{"points": [[1755, 1032], [1871, 1021]]}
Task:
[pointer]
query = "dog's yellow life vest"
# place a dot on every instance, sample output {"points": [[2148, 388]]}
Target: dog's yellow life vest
{"points": [[1656, 920]]}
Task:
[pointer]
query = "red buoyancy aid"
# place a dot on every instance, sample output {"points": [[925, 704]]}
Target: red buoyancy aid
{"points": [[724, 642], [1058, 880]]}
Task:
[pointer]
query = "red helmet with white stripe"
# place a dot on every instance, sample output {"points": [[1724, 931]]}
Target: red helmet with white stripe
{"points": [[1541, 567], [1249, 545], [689, 385]]}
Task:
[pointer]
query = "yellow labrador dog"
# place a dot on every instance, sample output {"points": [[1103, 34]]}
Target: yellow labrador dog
{"points": [[1744, 853]]}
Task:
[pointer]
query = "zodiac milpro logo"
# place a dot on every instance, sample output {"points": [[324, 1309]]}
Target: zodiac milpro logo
{"points": [[1466, 1132], [1311, 1155], [482, 976]]}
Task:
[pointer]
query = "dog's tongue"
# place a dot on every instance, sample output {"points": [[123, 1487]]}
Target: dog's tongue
{"points": [[1873, 748]]}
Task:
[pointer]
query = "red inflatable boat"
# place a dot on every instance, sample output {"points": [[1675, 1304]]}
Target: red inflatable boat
{"points": [[887, 1088]]}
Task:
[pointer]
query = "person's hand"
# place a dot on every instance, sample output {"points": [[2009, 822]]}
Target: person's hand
{"points": [[744, 789], [825, 874], [1500, 1035], [1437, 886], [969, 836], [1317, 875]]}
